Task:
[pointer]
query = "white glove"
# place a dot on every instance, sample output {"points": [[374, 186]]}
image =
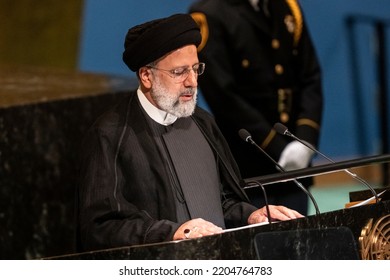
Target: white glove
{"points": [[295, 156]]}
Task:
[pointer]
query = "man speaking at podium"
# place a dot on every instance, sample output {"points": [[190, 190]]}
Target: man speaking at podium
{"points": [[155, 167]]}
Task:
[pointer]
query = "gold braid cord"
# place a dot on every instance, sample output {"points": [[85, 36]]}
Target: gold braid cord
{"points": [[308, 122], [201, 20], [296, 11]]}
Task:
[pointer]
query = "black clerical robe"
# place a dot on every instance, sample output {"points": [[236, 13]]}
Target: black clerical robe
{"points": [[125, 196]]}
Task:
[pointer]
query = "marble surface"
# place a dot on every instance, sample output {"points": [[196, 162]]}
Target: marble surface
{"points": [[26, 85], [240, 244], [43, 116]]}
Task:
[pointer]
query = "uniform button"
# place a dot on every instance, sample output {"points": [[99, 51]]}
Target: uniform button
{"points": [[275, 44], [245, 63], [281, 91], [279, 69], [284, 117]]}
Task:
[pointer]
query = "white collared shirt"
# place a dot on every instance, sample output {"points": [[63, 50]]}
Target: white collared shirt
{"points": [[155, 113]]}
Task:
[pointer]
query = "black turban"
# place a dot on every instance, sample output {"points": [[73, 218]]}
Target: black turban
{"points": [[152, 40]]}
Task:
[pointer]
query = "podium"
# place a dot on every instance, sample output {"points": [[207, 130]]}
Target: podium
{"points": [[369, 226], [361, 232], [44, 114], [330, 243]]}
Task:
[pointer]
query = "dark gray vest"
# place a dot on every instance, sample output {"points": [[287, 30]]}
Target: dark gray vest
{"points": [[192, 168]]}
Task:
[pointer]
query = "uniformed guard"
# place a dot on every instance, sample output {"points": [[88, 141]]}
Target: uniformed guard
{"points": [[262, 69]]}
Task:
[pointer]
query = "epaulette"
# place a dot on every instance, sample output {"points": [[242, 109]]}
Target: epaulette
{"points": [[297, 14]]}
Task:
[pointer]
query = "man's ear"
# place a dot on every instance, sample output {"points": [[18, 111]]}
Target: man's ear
{"points": [[145, 77]]}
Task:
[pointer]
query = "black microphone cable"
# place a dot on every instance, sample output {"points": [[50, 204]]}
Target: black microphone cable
{"points": [[246, 136], [265, 199]]}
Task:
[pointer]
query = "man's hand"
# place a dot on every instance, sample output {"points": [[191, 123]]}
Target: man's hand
{"points": [[280, 213], [196, 228]]}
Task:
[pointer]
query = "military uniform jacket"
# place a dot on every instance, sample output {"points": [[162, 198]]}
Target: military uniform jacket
{"points": [[259, 70], [125, 197]]}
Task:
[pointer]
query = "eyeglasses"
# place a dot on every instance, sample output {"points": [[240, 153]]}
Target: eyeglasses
{"points": [[180, 74]]}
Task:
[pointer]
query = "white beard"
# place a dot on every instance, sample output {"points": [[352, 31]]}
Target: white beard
{"points": [[172, 104]]}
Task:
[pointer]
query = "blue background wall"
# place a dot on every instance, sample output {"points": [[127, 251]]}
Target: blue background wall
{"points": [[351, 120]]}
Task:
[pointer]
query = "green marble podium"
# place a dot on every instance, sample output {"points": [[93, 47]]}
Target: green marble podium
{"points": [[240, 244], [44, 114]]}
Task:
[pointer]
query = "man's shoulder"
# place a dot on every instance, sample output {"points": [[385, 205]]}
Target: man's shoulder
{"points": [[202, 113], [115, 112], [204, 118]]}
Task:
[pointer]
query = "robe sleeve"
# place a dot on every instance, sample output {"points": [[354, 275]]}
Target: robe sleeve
{"points": [[106, 218]]}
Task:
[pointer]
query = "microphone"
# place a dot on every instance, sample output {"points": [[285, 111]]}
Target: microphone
{"points": [[281, 129], [246, 136], [265, 200]]}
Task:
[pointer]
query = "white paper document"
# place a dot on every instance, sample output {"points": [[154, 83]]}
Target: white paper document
{"points": [[367, 201]]}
